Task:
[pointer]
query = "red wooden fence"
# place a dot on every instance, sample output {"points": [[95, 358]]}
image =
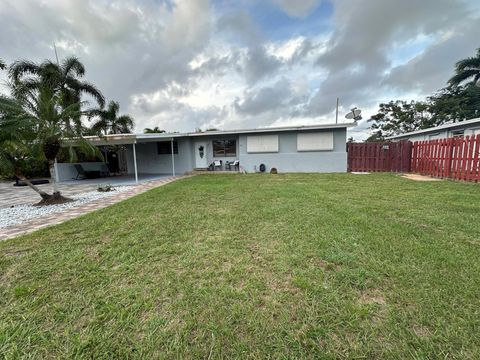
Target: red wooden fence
{"points": [[456, 158], [379, 156]]}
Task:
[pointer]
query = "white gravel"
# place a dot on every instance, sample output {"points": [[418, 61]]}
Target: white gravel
{"points": [[22, 213]]}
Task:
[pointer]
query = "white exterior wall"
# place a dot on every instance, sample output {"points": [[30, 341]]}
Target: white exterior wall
{"points": [[67, 171]]}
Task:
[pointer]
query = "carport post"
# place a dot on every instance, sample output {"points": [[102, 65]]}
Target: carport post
{"points": [[135, 163], [173, 160]]}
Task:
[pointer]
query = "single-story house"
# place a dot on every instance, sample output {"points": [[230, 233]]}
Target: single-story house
{"points": [[458, 129], [314, 148]]}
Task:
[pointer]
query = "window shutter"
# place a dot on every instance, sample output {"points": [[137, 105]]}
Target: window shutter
{"points": [[316, 141], [262, 143]]}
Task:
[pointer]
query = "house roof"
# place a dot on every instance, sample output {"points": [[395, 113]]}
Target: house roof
{"points": [[461, 124], [133, 138]]}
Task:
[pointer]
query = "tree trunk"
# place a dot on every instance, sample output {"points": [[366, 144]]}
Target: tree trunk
{"points": [[53, 175], [47, 199], [42, 193]]}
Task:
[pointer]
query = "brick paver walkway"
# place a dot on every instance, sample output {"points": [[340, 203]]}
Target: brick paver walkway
{"points": [[57, 218]]}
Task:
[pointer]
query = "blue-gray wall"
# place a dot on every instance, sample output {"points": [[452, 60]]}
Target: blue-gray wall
{"points": [[288, 159], [150, 162]]}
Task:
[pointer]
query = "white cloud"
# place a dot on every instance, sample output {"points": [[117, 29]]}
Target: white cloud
{"points": [[184, 64]]}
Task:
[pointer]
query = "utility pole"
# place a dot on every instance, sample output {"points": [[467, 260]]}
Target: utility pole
{"points": [[56, 55], [336, 113]]}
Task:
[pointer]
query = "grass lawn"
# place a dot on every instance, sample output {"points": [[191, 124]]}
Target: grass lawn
{"points": [[253, 266]]}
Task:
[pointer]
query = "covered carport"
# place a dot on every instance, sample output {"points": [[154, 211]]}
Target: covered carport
{"points": [[67, 171]]}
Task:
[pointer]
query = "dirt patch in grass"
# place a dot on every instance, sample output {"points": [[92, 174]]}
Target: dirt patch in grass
{"points": [[421, 331], [417, 177], [372, 297]]}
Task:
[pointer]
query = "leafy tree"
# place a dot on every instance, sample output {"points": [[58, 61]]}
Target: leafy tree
{"points": [[108, 121], [467, 70], [398, 117], [2, 65], [375, 137], [155, 130], [454, 104]]}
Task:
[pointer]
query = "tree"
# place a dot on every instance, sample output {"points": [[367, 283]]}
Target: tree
{"points": [[454, 104], [63, 79], [47, 96], [155, 130], [16, 133], [108, 121], [465, 70], [2, 65], [397, 117]]}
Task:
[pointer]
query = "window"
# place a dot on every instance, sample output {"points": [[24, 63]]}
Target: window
{"points": [[457, 133], [315, 141], [165, 147], [224, 148], [262, 143], [435, 136]]}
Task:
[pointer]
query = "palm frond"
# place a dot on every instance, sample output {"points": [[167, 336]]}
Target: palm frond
{"points": [[72, 64], [463, 76], [83, 87], [21, 68]]}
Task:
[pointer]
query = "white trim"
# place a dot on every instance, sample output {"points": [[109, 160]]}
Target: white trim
{"points": [[131, 138], [437, 128], [135, 163], [173, 158]]}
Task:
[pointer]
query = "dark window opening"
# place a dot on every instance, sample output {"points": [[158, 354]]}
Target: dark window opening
{"points": [[165, 147], [457, 133], [224, 148]]}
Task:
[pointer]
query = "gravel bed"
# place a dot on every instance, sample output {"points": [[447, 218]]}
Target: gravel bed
{"points": [[21, 213]]}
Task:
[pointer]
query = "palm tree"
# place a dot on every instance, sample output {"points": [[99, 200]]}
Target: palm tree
{"points": [[16, 133], [62, 78], [467, 69], [35, 122], [155, 130], [108, 121]]}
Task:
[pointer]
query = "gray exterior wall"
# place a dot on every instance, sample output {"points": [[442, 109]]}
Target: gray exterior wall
{"points": [[150, 162], [288, 159]]}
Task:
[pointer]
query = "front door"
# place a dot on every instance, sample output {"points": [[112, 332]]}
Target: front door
{"points": [[201, 161]]}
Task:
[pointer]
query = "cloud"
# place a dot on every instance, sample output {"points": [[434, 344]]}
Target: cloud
{"points": [[358, 58], [280, 97], [259, 64], [297, 8], [183, 64], [432, 68]]}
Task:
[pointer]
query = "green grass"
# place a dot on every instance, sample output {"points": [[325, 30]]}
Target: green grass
{"points": [[253, 266]]}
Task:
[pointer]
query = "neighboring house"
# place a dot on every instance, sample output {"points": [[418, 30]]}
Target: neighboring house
{"points": [[463, 128], [316, 148]]}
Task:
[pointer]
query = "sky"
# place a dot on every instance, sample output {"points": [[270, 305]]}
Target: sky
{"points": [[187, 64]]}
